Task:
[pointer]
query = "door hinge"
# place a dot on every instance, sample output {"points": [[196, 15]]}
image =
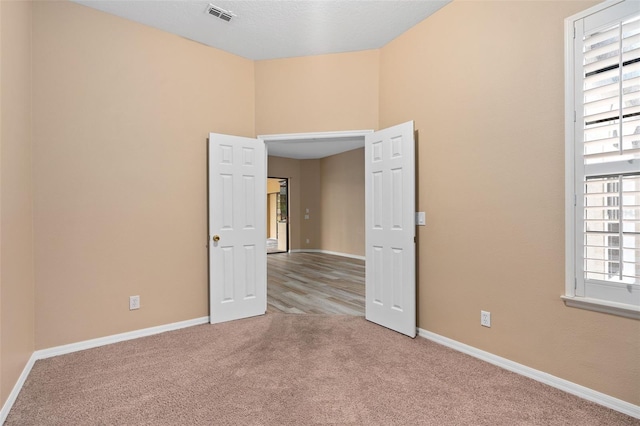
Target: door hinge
{"points": [[575, 200], [575, 284], [574, 31], [414, 240]]}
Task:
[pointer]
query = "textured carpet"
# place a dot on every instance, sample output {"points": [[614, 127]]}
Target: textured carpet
{"points": [[284, 369]]}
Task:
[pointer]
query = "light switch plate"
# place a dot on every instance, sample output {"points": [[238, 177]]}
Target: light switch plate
{"points": [[421, 219]]}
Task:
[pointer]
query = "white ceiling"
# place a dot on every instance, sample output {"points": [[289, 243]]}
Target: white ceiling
{"points": [[272, 29], [306, 149]]}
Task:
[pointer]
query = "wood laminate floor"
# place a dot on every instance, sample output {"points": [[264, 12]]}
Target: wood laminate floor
{"points": [[315, 283]]}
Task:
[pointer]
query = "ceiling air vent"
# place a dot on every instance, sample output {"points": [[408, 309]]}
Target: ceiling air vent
{"points": [[219, 12]]}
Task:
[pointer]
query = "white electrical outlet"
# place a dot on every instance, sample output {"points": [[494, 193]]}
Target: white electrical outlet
{"points": [[134, 302], [485, 318], [307, 241]]}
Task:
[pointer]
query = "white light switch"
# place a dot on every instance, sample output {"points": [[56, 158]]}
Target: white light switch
{"points": [[306, 216], [421, 219]]}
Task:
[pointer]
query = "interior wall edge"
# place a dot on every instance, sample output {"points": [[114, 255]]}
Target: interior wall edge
{"points": [[17, 282]]}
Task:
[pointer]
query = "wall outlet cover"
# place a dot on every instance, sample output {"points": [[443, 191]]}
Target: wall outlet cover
{"points": [[134, 302], [485, 319]]}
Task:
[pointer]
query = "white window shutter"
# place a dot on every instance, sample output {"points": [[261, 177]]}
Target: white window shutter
{"points": [[607, 155]]}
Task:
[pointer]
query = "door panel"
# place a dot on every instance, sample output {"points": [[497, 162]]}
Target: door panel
{"points": [[237, 260], [390, 228]]}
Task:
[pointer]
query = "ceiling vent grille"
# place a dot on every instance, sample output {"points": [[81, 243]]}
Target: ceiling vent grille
{"points": [[218, 12]]}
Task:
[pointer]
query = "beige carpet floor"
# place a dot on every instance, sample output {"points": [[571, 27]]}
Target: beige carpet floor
{"points": [[286, 369]]}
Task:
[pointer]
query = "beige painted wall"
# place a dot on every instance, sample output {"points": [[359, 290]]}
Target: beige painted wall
{"points": [[317, 93], [16, 195], [484, 83], [310, 199], [342, 201], [122, 113], [273, 186]]}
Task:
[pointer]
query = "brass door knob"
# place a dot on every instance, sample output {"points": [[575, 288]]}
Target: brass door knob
{"points": [[216, 238]]}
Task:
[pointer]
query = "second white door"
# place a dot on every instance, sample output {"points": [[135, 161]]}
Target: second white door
{"points": [[390, 228]]}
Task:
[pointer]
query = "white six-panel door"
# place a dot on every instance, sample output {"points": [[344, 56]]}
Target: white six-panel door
{"points": [[390, 228], [237, 228]]}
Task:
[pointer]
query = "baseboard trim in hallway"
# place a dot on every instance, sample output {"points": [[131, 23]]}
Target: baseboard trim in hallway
{"points": [[335, 253]]}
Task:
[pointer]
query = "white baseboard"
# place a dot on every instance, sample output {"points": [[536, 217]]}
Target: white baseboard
{"points": [[540, 376], [107, 340], [13, 395], [335, 253], [88, 344]]}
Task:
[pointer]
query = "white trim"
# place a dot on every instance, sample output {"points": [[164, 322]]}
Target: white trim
{"points": [[569, 156], [4, 413], [599, 305], [540, 376], [88, 344], [317, 135], [115, 338], [335, 253]]}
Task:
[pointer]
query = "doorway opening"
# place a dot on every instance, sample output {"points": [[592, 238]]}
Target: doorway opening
{"points": [[277, 215], [324, 270], [237, 222]]}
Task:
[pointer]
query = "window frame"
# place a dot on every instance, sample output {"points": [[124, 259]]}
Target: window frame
{"points": [[574, 167]]}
